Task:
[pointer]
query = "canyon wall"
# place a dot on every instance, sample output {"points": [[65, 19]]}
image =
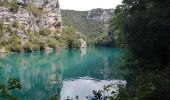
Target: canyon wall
{"points": [[88, 22], [34, 15]]}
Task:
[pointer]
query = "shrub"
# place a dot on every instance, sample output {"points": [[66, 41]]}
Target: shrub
{"points": [[45, 31], [4, 42], [13, 44], [8, 28], [27, 47], [53, 43], [14, 47], [1, 33], [35, 47], [13, 7], [35, 11], [70, 38], [14, 40], [15, 24], [1, 24]]}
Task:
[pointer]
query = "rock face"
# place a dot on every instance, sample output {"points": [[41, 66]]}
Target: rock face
{"points": [[88, 22], [83, 43], [31, 14], [100, 15]]}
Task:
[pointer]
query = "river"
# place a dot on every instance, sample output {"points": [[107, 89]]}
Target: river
{"points": [[69, 73]]}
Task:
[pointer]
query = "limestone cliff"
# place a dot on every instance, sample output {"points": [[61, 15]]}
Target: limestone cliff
{"points": [[100, 15], [88, 22], [34, 15]]}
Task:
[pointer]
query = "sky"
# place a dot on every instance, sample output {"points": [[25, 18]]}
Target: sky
{"points": [[83, 5]]}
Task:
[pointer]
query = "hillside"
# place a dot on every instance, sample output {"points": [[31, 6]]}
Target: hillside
{"points": [[88, 22], [32, 25]]}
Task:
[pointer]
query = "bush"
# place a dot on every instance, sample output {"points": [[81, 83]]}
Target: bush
{"points": [[35, 47], [14, 40], [53, 43], [103, 39], [27, 47], [35, 11], [45, 31], [12, 43], [4, 42], [15, 24], [8, 28], [70, 38], [1, 33], [14, 47], [40, 41], [13, 7]]}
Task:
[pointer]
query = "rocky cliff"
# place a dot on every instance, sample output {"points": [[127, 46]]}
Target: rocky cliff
{"points": [[100, 15], [88, 22], [34, 15], [30, 25]]}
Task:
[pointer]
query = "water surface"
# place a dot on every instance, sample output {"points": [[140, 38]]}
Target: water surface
{"points": [[66, 73]]}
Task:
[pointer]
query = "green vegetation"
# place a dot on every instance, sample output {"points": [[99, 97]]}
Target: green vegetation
{"points": [[36, 41], [35, 11], [102, 39], [13, 7], [15, 24], [95, 30], [142, 26], [12, 84], [70, 38], [13, 44], [45, 31], [78, 20]]}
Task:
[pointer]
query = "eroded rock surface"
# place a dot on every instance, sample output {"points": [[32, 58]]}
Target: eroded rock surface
{"points": [[34, 15]]}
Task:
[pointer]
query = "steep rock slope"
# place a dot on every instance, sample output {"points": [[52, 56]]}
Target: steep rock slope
{"points": [[88, 22], [21, 15]]}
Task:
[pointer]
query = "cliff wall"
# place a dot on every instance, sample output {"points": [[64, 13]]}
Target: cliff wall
{"points": [[21, 15], [88, 22]]}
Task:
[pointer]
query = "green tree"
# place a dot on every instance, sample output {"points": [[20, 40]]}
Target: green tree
{"points": [[70, 38], [143, 25]]}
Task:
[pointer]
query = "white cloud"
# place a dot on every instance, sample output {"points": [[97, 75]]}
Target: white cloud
{"points": [[88, 4]]}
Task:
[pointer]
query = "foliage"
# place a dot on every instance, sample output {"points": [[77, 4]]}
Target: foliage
{"points": [[14, 48], [70, 38], [13, 7], [108, 94], [8, 28], [102, 39], [40, 40], [142, 26], [45, 31], [15, 24], [78, 20], [12, 84], [12, 44], [35, 11], [116, 26]]}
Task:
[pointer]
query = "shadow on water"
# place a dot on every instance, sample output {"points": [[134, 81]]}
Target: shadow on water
{"points": [[59, 74]]}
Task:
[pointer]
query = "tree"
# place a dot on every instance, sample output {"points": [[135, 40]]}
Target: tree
{"points": [[145, 28]]}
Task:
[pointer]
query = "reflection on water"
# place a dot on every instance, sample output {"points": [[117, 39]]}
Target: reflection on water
{"points": [[82, 52], [83, 87], [62, 73]]}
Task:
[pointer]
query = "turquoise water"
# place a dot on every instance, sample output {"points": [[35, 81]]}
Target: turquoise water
{"points": [[72, 72]]}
